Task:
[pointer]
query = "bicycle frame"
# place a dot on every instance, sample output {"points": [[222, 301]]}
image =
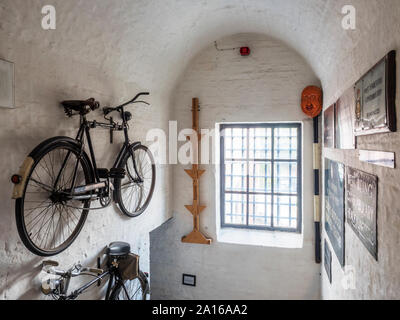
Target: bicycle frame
{"points": [[62, 284], [66, 278], [84, 131]]}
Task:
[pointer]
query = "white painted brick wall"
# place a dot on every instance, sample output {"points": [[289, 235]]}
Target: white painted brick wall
{"points": [[378, 32], [49, 70]]}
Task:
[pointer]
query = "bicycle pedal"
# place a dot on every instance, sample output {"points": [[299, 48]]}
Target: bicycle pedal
{"points": [[103, 173], [117, 173]]}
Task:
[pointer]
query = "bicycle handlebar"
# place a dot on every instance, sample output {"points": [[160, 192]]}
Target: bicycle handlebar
{"points": [[90, 270], [95, 270], [75, 271], [137, 96], [108, 110]]}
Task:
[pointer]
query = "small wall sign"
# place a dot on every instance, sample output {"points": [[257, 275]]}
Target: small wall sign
{"points": [[361, 207], [378, 158], [6, 84], [189, 280], [375, 94]]}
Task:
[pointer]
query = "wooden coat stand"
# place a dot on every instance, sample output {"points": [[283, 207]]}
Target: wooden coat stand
{"points": [[195, 209]]}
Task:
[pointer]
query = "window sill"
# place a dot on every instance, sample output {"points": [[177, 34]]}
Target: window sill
{"points": [[274, 239]]}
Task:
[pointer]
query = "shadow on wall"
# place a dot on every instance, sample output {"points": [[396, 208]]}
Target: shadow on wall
{"points": [[48, 71], [14, 271], [30, 274], [19, 273]]}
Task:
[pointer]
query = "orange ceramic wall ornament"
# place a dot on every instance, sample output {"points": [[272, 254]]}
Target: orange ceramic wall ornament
{"points": [[311, 101]]}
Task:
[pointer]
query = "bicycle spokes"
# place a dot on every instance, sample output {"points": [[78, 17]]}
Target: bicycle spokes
{"points": [[49, 217], [136, 186], [131, 290]]}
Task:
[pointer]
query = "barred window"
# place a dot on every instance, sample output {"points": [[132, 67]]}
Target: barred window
{"points": [[261, 176]]}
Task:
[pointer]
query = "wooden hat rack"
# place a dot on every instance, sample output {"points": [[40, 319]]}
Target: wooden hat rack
{"points": [[195, 173]]}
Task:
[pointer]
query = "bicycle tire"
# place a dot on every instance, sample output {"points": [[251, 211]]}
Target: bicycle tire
{"points": [[118, 292], [119, 199], [38, 154]]}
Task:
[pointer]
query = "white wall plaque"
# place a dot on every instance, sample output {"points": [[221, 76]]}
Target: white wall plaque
{"points": [[378, 158], [6, 84]]}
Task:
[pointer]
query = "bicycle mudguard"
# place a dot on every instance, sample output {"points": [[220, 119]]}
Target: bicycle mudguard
{"points": [[49, 142], [26, 167], [134, 145], [24, 171]]}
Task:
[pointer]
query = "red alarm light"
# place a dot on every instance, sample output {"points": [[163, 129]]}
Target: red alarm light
{"points": [[245, 51]]}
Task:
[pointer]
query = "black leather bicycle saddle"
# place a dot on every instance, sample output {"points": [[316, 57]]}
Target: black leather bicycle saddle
{"points": [[80, 106], [118, 249]]}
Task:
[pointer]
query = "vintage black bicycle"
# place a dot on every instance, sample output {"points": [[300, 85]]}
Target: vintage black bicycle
{"points": [[125, 280], [58, 181]]}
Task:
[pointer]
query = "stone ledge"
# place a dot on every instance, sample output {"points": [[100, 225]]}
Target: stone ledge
{"points": [[274, 239]]}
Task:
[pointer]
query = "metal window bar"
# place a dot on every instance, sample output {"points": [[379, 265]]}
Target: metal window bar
{"points": [[273, 176]]}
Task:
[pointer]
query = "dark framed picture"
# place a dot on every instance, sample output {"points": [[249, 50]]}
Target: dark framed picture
{"points": [[329, 127], [344, 121], [334, 207], [375, 93]]}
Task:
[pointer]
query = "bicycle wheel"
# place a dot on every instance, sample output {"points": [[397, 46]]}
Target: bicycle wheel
{"points": [[136, 289], [133, 193], [47, 222]]}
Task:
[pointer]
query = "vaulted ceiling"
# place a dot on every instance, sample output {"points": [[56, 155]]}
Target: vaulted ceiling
{"points": [[151, 42]]}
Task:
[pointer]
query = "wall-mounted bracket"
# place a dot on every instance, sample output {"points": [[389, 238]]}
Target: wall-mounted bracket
{"points": [[196, 236]]}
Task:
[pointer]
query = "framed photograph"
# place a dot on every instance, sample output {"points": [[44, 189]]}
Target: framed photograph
{"points": [[344, 120], [6, 84], [329, 127], [375, 92]]}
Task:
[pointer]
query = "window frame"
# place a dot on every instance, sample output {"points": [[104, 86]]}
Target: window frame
{"points": [[296, 125]]}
